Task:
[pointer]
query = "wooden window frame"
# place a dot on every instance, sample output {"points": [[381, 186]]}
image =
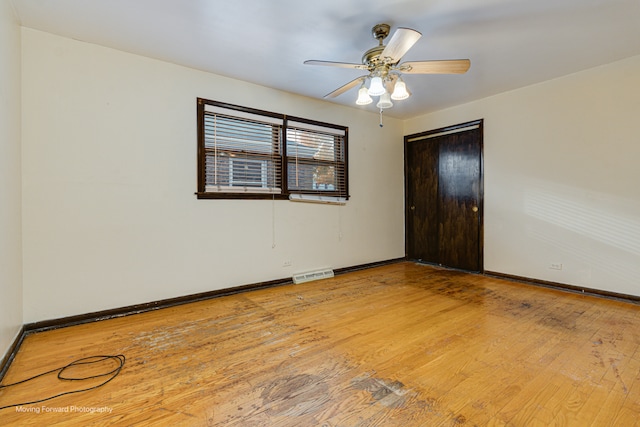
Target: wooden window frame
{"points": [[340, 153]]}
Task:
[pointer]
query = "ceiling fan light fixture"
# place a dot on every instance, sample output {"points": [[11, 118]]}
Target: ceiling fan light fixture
{"points": [[385, 101], [400, 91], [376, 88], [384, 66], [363, 96]]}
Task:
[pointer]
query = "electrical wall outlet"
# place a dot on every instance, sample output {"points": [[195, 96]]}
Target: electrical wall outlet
{"points": [[286, 263], [555, 266]]}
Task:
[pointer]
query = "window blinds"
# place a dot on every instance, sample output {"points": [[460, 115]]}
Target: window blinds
{"points": [[249, 153], [316, 159], [243, 151]]}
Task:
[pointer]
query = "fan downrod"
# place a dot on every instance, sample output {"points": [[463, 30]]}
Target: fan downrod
{"points": [[371, 57]]}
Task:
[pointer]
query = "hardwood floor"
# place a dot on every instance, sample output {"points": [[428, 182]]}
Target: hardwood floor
{"points": [[399, 345]]}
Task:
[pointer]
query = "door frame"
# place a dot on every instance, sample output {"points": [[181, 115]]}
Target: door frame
{"points": [[480, 203]]}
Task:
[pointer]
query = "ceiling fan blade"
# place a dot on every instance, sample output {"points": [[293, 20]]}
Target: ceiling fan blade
{"points": [[400, 43], [336, 64], [447, 66], [343, 89]]}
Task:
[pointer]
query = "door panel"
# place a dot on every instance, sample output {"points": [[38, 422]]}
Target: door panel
{"points": [[459, 173], [422, 219], [443, 191]]}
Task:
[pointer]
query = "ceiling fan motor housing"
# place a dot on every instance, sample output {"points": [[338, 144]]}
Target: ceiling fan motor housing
{"points": [[372, 58]]}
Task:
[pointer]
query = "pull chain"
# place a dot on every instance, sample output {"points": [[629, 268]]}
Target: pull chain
{"points": [[381, 125]]}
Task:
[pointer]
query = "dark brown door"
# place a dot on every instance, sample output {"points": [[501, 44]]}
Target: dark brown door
{"points": [[443, 193]]}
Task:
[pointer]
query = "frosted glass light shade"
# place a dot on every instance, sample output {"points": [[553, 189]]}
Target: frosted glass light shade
{"points": [[363, 96], [385, 101], [400, 91], [376, 88]]}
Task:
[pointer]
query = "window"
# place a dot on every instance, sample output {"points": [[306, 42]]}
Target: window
{"points": [[249, 153], [315, 158], [240, 151]]}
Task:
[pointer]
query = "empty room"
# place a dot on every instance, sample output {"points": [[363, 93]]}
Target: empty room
{"points": [[336, 213]]}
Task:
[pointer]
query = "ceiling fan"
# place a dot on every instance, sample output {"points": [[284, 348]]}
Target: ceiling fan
{"points": [[384, 68]]}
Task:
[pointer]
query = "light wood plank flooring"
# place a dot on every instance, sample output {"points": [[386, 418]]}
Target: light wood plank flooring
{"points": [[399, 345]]}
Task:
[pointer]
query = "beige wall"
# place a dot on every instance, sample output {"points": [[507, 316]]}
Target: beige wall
{"points": [[562, 177], [10, 181], [110, 216], [108, 176]]}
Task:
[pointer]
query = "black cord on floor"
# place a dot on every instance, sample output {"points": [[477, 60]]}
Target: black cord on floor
{"points": [[119, 359]]}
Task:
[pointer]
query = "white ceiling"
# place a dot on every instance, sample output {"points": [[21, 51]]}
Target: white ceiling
{"points": [[511, 43]]}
